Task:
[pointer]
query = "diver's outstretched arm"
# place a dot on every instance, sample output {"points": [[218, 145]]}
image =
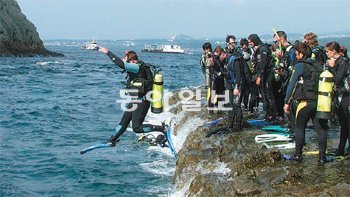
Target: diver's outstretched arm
{"points": [[119, 62]]}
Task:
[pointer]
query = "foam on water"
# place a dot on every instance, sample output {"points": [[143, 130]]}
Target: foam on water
{"points": [[46, 63], [160, 167], [184, 190], [185, 129]]}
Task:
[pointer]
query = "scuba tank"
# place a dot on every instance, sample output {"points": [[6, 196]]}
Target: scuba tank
{"points": [[207, 73], [324, 99], [157, 94], [207, 78], [207, 81]]}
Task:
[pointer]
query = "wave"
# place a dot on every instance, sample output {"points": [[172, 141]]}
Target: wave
{"points": [[69, 44], [44, 63], [334, 36]]}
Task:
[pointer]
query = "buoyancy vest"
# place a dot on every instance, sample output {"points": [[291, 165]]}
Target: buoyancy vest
{"points": [[308, 89], [288, 58], [141, 81], [264, 48], [344, 84]]}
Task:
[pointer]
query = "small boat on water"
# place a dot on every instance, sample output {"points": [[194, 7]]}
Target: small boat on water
{"points": [[163, 49], [92, 45]]}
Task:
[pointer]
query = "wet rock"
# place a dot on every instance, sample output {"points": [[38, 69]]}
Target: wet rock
{"points": [[232, 164], [18, 36], [341, 189], [210, 185]]}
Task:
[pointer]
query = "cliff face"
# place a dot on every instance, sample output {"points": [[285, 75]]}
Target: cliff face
{"points": [[18, 36]]}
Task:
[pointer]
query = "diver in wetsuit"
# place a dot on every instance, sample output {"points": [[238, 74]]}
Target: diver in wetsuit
{"points": [[318, 52], [136, 109], [303, 87], [340, 68], [265, 77]]}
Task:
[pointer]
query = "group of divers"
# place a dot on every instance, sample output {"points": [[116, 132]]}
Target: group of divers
{"points": [[301, 81]]}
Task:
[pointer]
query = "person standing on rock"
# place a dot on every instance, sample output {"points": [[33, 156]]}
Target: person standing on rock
{"points": [[233, 85], [204, 63], [261, 60], [303, 87], [340, 68]]}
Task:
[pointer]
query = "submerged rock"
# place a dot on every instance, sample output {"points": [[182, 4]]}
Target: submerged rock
{"points": [[233, 164], [18, 36]]}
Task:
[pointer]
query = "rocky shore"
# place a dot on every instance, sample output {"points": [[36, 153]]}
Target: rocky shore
{"points": [[18, 36], [234, 165]]}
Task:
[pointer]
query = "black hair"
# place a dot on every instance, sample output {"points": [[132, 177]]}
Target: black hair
{"points": [[254, 38], [282, 34], [207, 45], [333, 46], [304, 49], [131, 55], [230, 36], [243, 41], [344, 50], [219, 49]]}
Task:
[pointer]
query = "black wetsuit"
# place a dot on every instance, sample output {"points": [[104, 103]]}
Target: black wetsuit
{"points": [[246, 81], [340, 71], [307, 106], [217, 83], [235, 115], [138, 115], [261, 60], [288, 60], [254, 89]]}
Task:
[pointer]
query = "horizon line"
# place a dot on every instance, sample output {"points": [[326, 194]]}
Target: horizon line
{"points": [[195, 38]]}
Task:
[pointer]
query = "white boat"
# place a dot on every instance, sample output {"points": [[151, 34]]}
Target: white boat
{"points": [[128, 43], [163, 49], [92, 45]]}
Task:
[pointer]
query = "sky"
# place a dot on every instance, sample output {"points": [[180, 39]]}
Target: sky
{"points": [[146, 19]]}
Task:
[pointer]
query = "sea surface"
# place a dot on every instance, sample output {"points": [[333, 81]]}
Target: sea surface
{"points": [[53, 107]]}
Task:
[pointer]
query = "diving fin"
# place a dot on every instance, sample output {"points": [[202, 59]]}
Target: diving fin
{"points": [[97, 146]]}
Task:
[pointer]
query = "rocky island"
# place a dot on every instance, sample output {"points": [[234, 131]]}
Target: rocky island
{"points": [[18, 36]]}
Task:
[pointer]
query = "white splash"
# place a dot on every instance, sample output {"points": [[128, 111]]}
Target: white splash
{"points": [[221, 168], [62, 43], [185, 129], [162, 167], [46, 63], [184, 190]]}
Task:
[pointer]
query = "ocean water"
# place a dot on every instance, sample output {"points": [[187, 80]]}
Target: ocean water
{"points": [[51, 108]]}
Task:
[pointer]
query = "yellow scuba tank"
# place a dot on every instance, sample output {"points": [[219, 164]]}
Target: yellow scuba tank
{"points": [[324, 99], [157, 94], [208, 94]]}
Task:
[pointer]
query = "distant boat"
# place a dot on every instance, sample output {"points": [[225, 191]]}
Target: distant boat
{"points": [[163, 49], [128, 43], [92, 45]]}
